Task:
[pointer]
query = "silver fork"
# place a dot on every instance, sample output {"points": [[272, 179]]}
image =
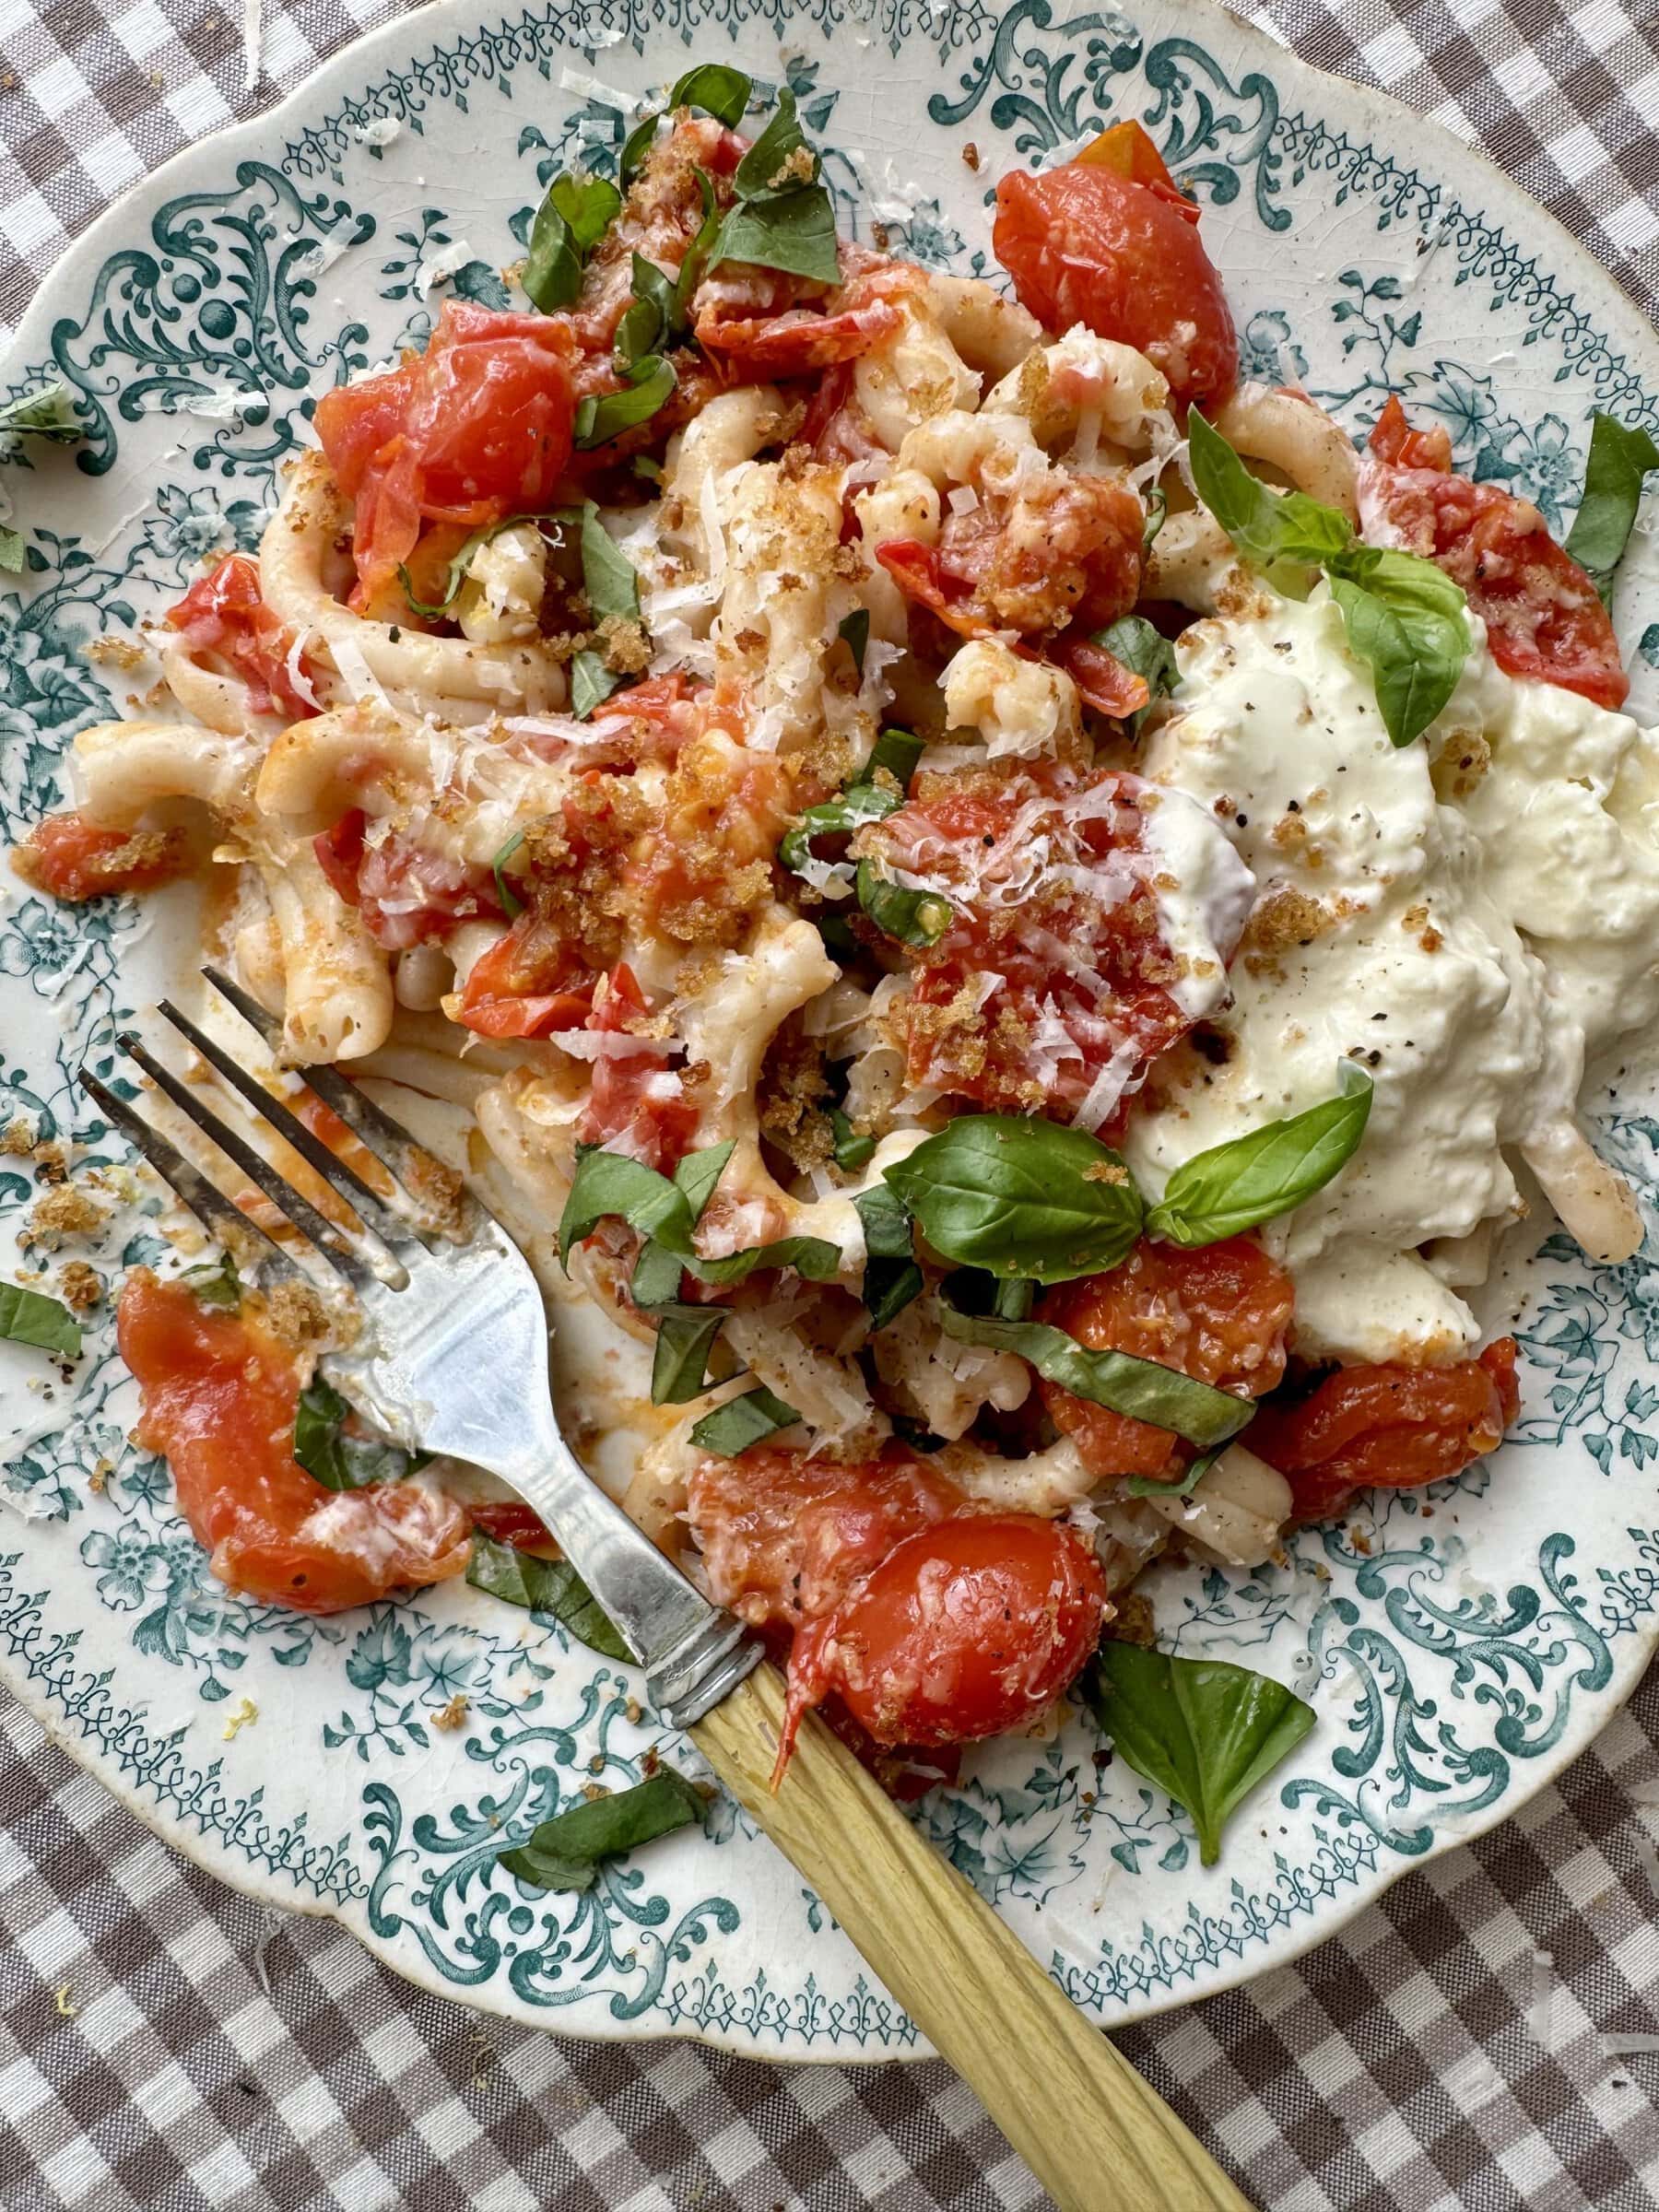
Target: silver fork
{"points": [[452, 1357], [452, 1354]]}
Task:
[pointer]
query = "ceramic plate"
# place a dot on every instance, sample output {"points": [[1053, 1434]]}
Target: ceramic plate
{"points": [[1459, 1648]]}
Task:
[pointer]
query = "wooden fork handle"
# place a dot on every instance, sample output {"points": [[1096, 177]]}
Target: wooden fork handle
{"points": [[1090, 2128]]}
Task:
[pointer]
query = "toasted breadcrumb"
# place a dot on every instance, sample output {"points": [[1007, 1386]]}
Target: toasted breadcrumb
{"points": [[63, 1211]]}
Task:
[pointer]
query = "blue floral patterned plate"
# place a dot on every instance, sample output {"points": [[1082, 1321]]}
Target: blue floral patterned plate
{"points": [[1459, 1651]]}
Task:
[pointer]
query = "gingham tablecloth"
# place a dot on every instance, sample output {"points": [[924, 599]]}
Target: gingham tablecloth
{"points": [[165, 2045]]}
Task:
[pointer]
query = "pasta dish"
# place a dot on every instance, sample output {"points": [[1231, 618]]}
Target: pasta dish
{"points": [[1011, 917]]}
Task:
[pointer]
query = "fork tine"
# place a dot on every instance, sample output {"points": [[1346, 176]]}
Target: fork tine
{"points": [[425, 1180], [371, 1209], [282, 1194], [246, 1243]]}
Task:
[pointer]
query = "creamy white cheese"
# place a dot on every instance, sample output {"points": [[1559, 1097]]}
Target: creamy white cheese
{"points": [[1466, 917]]}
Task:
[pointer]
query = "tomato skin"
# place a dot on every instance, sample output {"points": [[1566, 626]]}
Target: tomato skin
{"points": [[1543, 617], [785, 1538], [379, 879], [70, 858], [1388, 1428], [636, 1104], [1218, 1314], [511, 1520], [1084, 244], [967, 1629], [218, 1399], [795, 338], [224, 612], [526, 984], [475, 428]]}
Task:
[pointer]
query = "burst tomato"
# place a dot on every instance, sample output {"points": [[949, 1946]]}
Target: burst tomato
{"points": [[966, 1630], [1542, 613], [529, 983], [758, 322], [1086, 244], [71, 858], [475, 428], [1388, 1428], [511, 1520], [219, 1400], [638, 1103], [785, 1538], [1218, 1314], [1051, 972], [224, 613], [405, 893]]}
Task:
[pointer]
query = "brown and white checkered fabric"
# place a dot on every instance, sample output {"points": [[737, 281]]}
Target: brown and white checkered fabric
{"points": [[207, 2054]]}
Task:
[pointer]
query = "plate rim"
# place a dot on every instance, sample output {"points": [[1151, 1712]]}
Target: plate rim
{"points": [[1625, 322]]}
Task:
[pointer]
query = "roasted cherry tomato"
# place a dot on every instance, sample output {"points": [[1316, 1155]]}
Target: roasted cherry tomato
{"points": [[224, 613], [71, 858], [405, 893], [1388, 1428], [785, 1538], [967, 1629], [1218, 1314], [1542, 613], [528, 984], [1087, 243], [218, 1399], [475, 428], [767, 324], [638, 1102]]}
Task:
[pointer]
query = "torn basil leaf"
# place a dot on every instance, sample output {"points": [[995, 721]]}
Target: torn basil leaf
{"points": [[461, 560], [1143, 1486], [1203, 1731], [1020, 1196], [854, 633], [333, 1458], [566, 1851], [891, 1277], [1142, 1389], [851, 1150], [716, 90], [591, 682], [1158, 509], [574, 215], [604, 416], [1267, 525], [679, 1366], [856, 803], [215, 1282], [665, 1212], [740, 1422], [1132, 640], [48, 412], [1614, 475], [11, 550], [551, 1587], [635, 147], [608, 577], [512, 906], [782, 219], [30, 1317], [1251, 1178], [919, 918], [897, 752]]}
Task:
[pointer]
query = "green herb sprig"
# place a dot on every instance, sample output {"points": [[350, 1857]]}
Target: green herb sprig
{"points": [[551, 1587], [1621, 459], [566, 1851]]}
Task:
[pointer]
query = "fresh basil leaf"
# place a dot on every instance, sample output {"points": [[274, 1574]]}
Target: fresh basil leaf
{"points": [[1143, 1486], [512, 905], [640, 331], [30, 1317], [717, 90], [574, 215], [591, 682], [855, 634], [215, 1282], [462, 560], [813, 1257], [609, 1183], [603, 415], [608, 577], [891, 1275], [696, 257], [837, 934], [679, 1368], [1013, 1298], [1021, 1196], [1413, 648], [1143, 1388], [1158, 511], [919, 918], [851, 1151], [697, 1175], [1266, 525], [740, 1422], [11, 550], [776, 146], [635, 147], [566, 1851], [655, 1285], [338, 1461], [1132, 640], [1201, 1730], [897, 751], [1620, 458], [1253, 1178], [48, 412], [793, 231], [859, 802], [551, 1587]]}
